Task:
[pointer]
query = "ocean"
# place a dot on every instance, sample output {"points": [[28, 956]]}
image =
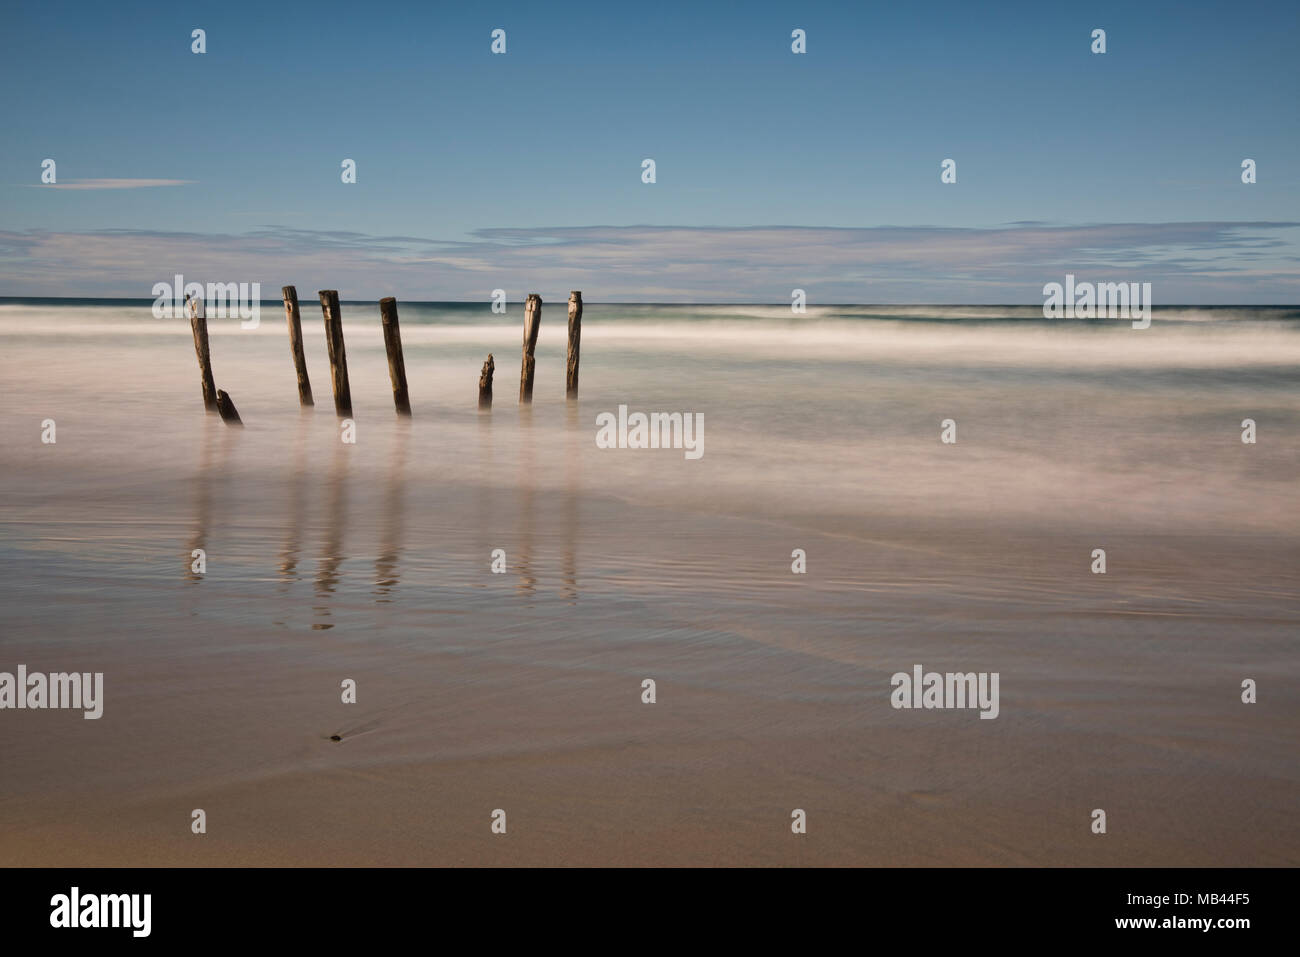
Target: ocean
{"points": [[523, 689]]}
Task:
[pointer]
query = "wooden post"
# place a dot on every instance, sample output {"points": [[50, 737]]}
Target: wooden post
{"points": [[485, 383], [227, 409], [532, 323], [575, 337], [295, 344], [329, 304], [393, 343], [199, 326]]}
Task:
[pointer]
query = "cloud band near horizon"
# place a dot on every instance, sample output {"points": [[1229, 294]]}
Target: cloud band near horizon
{"points": [[1187, 263]]}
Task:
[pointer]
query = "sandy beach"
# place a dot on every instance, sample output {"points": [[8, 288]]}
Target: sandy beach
{"points": [[523, 691]]}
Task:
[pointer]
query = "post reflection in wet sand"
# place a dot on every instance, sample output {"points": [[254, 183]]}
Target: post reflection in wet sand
{"points": [[297, 507], [527, 582], [336, 505], [572, 493], [203, 488], [484, 489], [386, 576]]}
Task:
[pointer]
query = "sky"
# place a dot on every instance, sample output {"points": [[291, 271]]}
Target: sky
{"points": [[774, 170]]}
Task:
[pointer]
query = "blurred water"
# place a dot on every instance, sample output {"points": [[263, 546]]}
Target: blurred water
{"points": [[1057, 421]]}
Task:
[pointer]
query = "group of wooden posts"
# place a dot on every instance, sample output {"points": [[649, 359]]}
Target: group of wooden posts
{"points": [[217, 400]]}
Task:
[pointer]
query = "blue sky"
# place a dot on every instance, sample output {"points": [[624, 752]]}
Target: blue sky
{"points": [[523, 171]]}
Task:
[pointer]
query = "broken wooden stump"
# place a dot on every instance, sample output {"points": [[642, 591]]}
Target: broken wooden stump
{"points": [[532, 324], [329, 304], [227, 409], [295, 344], [575, 337], [485, 383], [199, 326], [393, 344]]}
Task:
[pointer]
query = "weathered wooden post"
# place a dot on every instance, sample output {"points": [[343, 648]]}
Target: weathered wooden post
{"points": [[227, 409], [575, 338], [393, 344], [532, 324], [485, 383], [329, 304], [295, 344], [199, 326]]}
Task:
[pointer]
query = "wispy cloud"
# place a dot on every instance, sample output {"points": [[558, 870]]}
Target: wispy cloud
{"points": [[111, 183], [1201, 262]]}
